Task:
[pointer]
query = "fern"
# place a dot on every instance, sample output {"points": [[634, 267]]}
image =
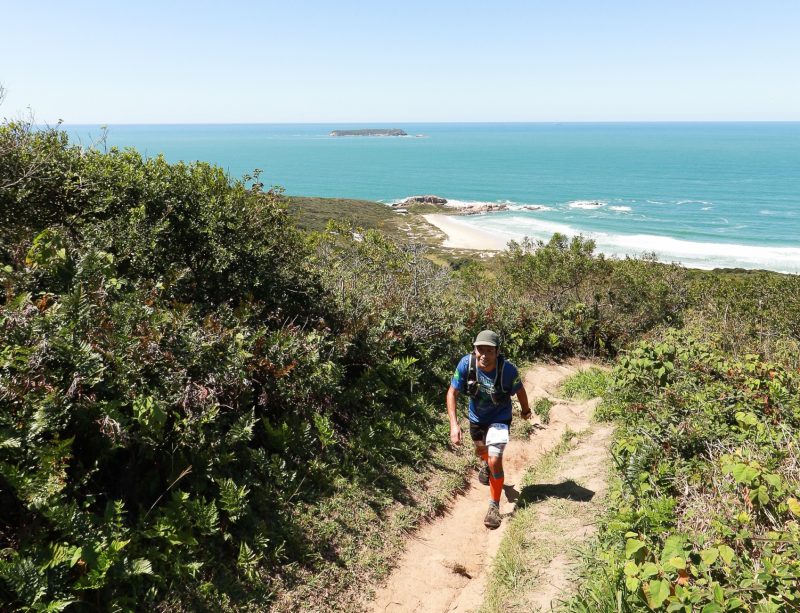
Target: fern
{"points": [[242, 429], [140, 566], [78, 306], [54, 606], [325, 431], [9, 442], [248, 561], [24, 578], [232, 498], [205, 516]]}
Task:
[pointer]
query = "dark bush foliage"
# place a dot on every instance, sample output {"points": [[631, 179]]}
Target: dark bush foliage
{"points": [[184, 373]]}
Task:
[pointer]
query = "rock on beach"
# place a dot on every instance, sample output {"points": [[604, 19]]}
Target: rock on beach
{"points": [[427, 199], [479, 209], [464, 209]]}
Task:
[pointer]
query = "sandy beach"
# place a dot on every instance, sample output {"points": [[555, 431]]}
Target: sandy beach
{"points": [[461, 235]]}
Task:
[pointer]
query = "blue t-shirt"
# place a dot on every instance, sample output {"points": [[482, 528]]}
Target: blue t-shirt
{"points": [[481, 409]]}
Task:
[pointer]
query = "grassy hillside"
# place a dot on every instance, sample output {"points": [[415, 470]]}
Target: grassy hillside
{"points": [[314, 214]]}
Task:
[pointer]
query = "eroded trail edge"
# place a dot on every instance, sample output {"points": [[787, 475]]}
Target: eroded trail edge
{"points": [[446, 563]]}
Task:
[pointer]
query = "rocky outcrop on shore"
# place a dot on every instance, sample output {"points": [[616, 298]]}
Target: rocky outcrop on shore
{"points": [[428, 199], [463, 209], [477, 209]]}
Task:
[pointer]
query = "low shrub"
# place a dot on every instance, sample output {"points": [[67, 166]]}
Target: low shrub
{"points": [[705, 516]]}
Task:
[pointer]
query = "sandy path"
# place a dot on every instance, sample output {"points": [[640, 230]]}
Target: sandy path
{"points": [[562, 525], [445, 564]]}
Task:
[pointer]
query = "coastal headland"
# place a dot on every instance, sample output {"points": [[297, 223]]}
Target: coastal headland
{"points": [[426, 219]]}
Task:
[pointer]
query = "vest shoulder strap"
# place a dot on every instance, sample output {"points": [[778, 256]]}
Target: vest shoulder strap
{"points": [[472, 371], [499, 371]]}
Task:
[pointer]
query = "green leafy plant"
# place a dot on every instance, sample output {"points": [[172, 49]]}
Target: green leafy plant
{"points": [[707, 507], [542, 408]]}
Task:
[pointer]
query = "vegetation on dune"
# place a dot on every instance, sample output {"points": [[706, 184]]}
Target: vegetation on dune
{"points": [[315, 213], [739, 314], [204, 406]]}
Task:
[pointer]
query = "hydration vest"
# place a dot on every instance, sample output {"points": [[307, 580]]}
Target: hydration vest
{"points": [[500, 395]]}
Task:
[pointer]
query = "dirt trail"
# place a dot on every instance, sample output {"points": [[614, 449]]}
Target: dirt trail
{"points": [[444, 566]]}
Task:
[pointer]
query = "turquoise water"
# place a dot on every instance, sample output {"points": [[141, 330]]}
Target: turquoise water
{"points": [[705, 194]]}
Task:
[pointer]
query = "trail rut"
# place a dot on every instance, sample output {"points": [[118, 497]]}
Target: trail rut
{"points": [[445, 564]]}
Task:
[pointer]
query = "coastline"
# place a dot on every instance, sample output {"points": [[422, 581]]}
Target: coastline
{"points": [[689, 254], [723, 212]]}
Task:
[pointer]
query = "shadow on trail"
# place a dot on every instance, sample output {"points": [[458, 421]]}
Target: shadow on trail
{"points": [[530, 494]]}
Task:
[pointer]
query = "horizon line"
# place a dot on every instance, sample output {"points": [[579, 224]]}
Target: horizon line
{"points": [[394, 123]]}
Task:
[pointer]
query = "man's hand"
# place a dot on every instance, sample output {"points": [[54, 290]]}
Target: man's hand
{"points": [[525, 413], [455, 434]]}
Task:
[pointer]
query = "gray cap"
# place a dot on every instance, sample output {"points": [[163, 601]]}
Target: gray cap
{"points": [[487, 337]]}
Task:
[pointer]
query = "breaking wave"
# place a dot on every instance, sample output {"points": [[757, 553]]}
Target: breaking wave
{"points": [[585, 204], [694, 254]]}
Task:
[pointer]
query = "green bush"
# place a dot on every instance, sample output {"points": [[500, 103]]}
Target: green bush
{"points": [[566, 299], [185, 376], [706, 513]]}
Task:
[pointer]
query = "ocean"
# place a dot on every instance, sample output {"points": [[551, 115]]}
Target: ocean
{"points": [[704, 194]]}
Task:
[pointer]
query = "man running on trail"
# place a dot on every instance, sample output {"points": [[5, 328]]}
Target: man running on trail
{"points": [[490, 381]]}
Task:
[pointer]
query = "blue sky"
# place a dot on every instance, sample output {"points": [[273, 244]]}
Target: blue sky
{"points": [[345, 61]]}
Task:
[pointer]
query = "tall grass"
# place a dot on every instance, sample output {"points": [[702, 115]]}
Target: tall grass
{"points": [[592, 382]]}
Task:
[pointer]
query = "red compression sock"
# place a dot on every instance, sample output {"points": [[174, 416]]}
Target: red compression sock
{"points": [[496, 485]]}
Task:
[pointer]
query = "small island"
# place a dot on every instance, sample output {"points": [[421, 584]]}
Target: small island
{"points": [[370, 132]]}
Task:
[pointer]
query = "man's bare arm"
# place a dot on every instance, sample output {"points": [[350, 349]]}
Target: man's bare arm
{"points": [[522, 396], [455, 429]]}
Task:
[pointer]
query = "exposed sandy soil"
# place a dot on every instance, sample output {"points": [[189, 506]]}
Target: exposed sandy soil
{"points": [[445, 564], [461, 235]]}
